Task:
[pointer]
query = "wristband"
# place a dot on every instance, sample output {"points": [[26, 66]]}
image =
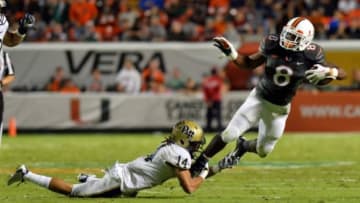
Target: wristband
{"points": [[334, 72], [204, 173], [234, 54]]}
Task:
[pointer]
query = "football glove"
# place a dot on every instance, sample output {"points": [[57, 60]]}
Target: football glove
{"points": [[319, 72], [26, 22], [226, 47], [199, 165]]}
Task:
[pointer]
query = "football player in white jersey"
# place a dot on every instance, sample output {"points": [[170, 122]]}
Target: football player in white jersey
{"points": [[172, 158]]}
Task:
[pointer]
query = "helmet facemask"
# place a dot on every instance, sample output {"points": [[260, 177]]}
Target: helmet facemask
{"points": [[195, 147], [298, 37]]}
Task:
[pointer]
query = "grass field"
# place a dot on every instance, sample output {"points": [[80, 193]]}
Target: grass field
{"points": [[302, 168]]}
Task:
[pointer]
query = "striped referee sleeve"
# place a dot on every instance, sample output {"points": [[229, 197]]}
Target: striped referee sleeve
{"points": [[9, 69]]}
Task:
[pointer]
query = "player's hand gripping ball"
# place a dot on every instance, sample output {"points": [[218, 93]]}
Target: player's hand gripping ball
{"points": [[320, 75]]}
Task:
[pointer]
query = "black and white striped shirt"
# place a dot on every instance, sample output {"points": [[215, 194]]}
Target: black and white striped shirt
{"points": [[6, 67]]}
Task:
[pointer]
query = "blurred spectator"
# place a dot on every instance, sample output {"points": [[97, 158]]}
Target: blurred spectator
{"points": [[212, 87], [128, 79], [68, 86], [95, 84], [175, 82], [347, 5], [56, 80], [56, 33], [353, 30], [58, 11], [82, 13], [176, 20], [156, 30], [148, 4], [176, 32], [152, 74], [191, 86]]}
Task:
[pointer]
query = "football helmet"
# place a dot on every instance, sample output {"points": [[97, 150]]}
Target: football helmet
{"points": [[2, 3], [188, 134], [297, 34]]}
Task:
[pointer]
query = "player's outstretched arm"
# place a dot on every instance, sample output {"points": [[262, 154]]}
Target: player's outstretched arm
{"points": [[188, 183], [13, 38], [248, 62]]}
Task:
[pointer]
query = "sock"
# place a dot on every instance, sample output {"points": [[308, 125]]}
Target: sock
{"points": [[216, 145], [41, 180], [250, 145]]}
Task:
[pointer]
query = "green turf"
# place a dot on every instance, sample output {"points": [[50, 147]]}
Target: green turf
{"points": [[303, 168]]}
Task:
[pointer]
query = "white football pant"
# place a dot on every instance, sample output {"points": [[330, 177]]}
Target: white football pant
{"points": [[271, 119]]}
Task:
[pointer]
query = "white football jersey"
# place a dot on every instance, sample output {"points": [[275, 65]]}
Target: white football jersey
{"points": [[130, 79], [148, 171]]}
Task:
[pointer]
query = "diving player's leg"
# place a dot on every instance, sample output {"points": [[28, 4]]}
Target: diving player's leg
{"points": [[271, 128], [107, 186], [57, 185], [97, 187]]}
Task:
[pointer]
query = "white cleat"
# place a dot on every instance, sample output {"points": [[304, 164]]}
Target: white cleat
{"points": [[18, 176]]}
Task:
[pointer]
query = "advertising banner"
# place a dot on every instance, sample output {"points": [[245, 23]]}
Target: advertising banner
{"points": [[326, 111]]}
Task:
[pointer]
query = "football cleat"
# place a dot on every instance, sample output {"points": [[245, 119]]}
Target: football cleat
{"points": [[233, 158], [82, 177], [18, 176]]}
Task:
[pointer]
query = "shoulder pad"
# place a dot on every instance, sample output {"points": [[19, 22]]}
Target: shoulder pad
{"points": [[315, 53], [268, 44], [177, 156]]}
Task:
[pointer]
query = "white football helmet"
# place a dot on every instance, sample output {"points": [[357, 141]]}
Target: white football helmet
{"points": [[2, 3], [297, 34]]}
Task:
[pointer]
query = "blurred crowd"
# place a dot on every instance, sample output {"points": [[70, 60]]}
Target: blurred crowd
{"points": [[181, 20], [174, 20], [151, 79]]}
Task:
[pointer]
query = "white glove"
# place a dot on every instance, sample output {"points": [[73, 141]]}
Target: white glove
{"points": [[319, 72], [226, 47], [205, 171]]}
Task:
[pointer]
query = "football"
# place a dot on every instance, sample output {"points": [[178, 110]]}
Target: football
{"points": [[323, 82]]}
